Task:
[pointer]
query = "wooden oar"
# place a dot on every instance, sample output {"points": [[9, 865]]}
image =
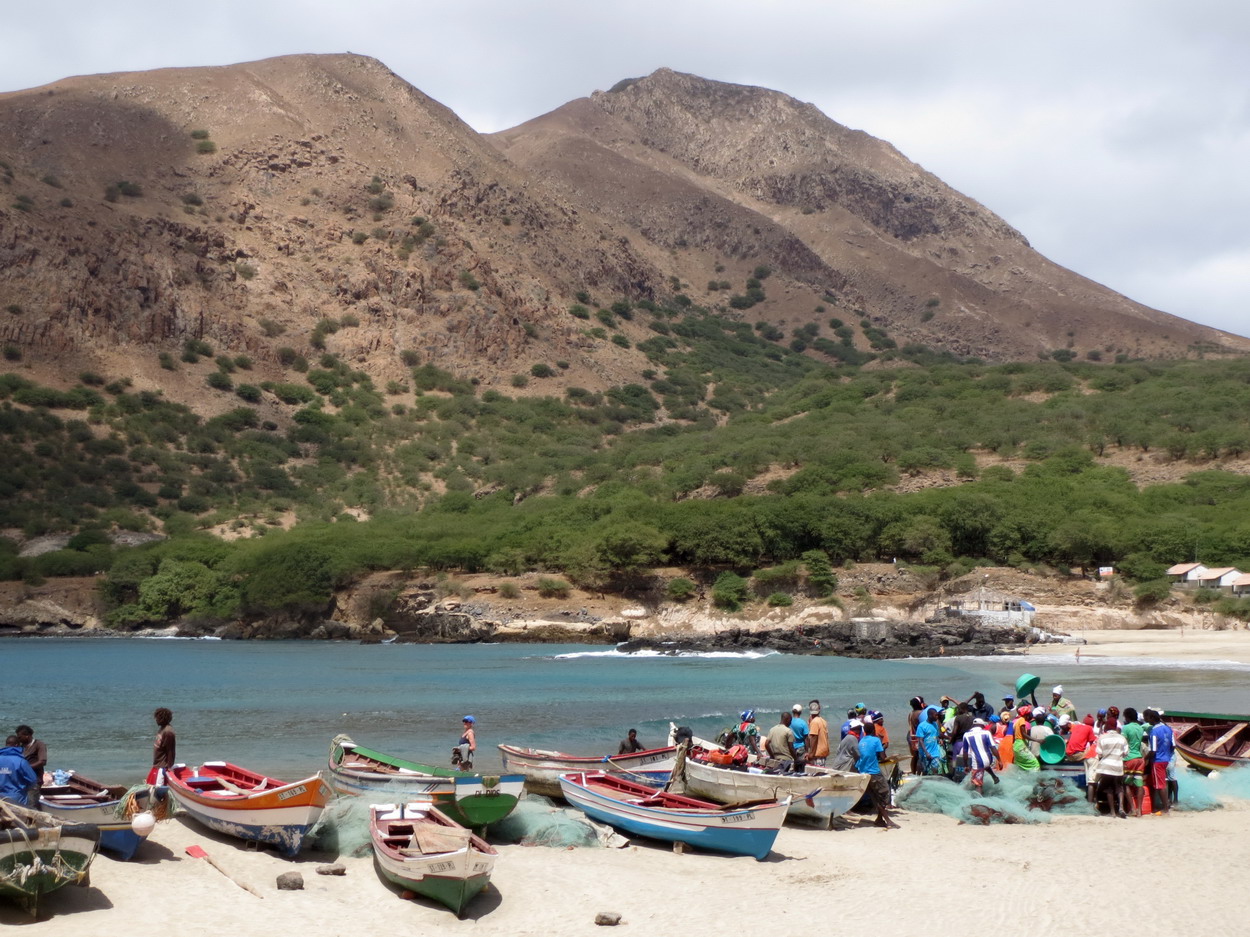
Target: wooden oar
{"points": [[197, 852]]}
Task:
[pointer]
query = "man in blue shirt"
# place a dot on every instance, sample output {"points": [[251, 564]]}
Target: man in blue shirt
{"points": [[798, 725], [871, 754], [1163, 748], [17, 777]]}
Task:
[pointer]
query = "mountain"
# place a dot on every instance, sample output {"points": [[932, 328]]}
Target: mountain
{"points": [[258, 207]]}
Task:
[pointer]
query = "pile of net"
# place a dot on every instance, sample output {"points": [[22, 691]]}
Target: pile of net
{"points": [[1020, 797], [537, 821], [343, 828]]}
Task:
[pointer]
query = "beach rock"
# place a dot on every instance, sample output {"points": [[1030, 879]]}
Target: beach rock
{"points": [[290, 881], [607, 919], [335, 868]]}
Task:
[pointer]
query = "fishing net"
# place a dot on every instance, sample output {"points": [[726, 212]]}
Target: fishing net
{"points": [[343, 828], [1021, 797], [1200, 791], [538, 821], [161, 807]]}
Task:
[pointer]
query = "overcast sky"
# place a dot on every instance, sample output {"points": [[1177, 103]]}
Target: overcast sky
{"points": [[1115, 134]]}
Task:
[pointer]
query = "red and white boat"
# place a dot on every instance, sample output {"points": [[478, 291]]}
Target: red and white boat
{"points": [[248, 805]]}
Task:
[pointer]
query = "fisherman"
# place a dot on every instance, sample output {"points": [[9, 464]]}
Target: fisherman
{"points": [[979, 708], [817, 735], [847, 755], [1111, 748], [1060, 705], [913, 722], [462, 754], [1134, 761], [798, 725], [982, 754], [36, 753], [871, 754], [1163, 750], [779, 743], [164, 749], [927, 740], [630, 744], [747, 733], [18, 780]]}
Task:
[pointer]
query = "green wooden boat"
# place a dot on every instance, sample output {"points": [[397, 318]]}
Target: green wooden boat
{"points": [[422, 850], [472, 800], [40, 853]]}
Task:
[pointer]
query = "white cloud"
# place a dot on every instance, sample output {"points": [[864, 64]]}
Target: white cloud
{"points": [[1114, 134]]}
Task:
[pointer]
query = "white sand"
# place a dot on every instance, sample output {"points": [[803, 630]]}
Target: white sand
{"points": [[1167, 645]]}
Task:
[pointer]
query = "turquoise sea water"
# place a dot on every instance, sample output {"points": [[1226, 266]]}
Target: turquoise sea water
{"points": [[274, 706]]}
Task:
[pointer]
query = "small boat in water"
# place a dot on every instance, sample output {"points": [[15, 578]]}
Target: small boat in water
{"points": [[542, 769], [41, 853], [645, 811], [473, 800], [1211, 741], [420, 848], [818, 795], [123, 815], [250, 806]]}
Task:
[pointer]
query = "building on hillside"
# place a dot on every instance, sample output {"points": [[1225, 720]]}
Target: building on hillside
{"points": [[1186, 574], [988, 606], [1221, 578], [1241, 585]]}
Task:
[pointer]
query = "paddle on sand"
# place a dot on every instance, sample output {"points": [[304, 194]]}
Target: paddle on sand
{"points": [[197, 852]]}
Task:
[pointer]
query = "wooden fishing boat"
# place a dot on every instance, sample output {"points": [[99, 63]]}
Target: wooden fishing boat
{"points": [[819, 795], [40, 853], [250, 806], [1211, 741], [420, 848], [117, 811], [542, 769], [473, 800], [645, 811]]}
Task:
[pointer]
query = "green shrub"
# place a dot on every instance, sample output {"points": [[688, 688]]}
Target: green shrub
{"points": [[520, 380], [219, 380], [469, 281], [359, 237], [550, 587], [780, 600], [12, 353], [509, 590], [1152, 592], [199, 134], [206, 147], [579, 311], [245, 271], [270, 328], [192, 198], [681, 589], [542, 370], [166, 361], [729, 591]]}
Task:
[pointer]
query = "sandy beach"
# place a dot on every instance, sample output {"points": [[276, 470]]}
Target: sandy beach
{"points": [[922, 879], [933, 876]]}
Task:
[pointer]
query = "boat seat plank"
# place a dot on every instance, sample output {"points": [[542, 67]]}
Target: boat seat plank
{"points": [[1225, 738], [430, 839]]}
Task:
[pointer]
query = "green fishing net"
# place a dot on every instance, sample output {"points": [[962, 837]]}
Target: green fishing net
{"points": [[343, 828], [538, 821], [1020, 797]]}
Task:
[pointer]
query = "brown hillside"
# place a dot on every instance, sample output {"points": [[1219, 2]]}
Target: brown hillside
{"points": [[265, 197], [889, 236]]}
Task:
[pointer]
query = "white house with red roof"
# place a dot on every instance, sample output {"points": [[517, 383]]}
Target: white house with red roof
{"points": [[1186, 573], [1221, 577]]}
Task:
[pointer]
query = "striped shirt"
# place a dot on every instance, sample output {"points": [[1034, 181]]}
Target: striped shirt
{"points": [[1111, 748], [980, 748]]}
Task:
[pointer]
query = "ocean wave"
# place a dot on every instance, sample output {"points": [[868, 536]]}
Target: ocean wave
{"points": [[649, 654]]}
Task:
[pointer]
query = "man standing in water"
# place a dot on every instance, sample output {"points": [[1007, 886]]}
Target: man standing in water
{"points": [[164, 749]]}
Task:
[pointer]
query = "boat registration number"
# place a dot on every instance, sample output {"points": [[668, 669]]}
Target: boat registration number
{"points": [[286, 795], [737, 817], [441, 866]]}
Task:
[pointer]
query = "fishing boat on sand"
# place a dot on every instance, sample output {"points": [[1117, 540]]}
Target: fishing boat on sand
{"points": [[542, 769], [646, 811], [473, 800], [250, 806], [40, 853], [1211, 741], [420, 848], [124, 816], [819, 795]]}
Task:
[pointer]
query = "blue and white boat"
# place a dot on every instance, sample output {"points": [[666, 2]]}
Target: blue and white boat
{"points": [[645, 811], [123, 816]]}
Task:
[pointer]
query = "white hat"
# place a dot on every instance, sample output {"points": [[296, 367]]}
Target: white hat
{"points": [[1058, 691], [854, 724], [978, 722], [797, 708], [1064, 720], [867, 720]]}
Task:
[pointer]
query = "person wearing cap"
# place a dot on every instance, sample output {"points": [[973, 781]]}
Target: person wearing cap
{"points": [[1060, 705], [871, 754], [982, 754], [747, 733], [846, 757], [798, 725], [462, 754], [779, 743], [1039, 731], [1162, 750], [817, 747], [1007, 713]]}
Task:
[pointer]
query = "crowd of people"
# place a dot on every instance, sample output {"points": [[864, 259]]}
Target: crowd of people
{"points": [[1124, 755]]}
